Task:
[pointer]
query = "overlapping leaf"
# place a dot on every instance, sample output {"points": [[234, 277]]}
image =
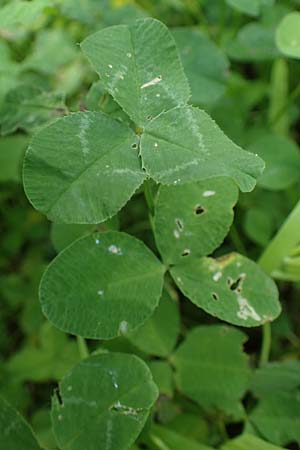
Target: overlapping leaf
{"points": [[140, 67], [233, 288], [185, 144], [102, 285], [104, 400], [192, 220], [82, 169]]}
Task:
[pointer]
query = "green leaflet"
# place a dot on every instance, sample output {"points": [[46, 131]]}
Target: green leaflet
{"points": [[277, 414], [163, 376], [258, 225], [276, 376], [282, 159], [247, 442], [12, 149], [277, 417], [192, 220], [168, 439], [207, 81], [105, 400], [22, 13], [48, 358], [28, 107], [63, 234], [185, 144], [140, 67], [154, 337], [233, 288], [45, 58], [254, 42], [212, 369], [192, 425], [288, 35], [15, 433], [101, 286], [250, 7], [82, 168]]}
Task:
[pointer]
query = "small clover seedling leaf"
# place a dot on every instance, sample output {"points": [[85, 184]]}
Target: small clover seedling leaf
{"points": [[288, 35], [212, 369], [154, 336], [192, 220], [105, 400], [207, 81], [233, 288], [101, 286], [185, 144], [15, 433], [82, 168], [140, 67]]}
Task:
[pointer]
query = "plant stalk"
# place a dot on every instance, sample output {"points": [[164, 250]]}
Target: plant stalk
{"points": [[282, 245], [82, 347]]}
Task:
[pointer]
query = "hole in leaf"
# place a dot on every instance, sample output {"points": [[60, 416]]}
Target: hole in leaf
{"points": [[236, 285], [59, 397], [186, 252], [134, 146], [179, 224], [215, 296], [198, 210], [149, 117]]}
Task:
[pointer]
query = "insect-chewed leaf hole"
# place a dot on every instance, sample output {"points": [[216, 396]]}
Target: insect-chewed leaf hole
{"points": [[59, 397], [134, 146], [236, 285], [198, 210], [186, 252], [215, 296], [179, 224]]}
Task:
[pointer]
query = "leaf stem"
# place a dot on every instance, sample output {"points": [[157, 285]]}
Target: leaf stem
{"points": [[293, 95], [282, 245], [287, 238], [266, 343], [236, 240], [82, 347]]}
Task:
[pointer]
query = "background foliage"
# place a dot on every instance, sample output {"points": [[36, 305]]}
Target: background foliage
{"points": [[241, 59]]}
